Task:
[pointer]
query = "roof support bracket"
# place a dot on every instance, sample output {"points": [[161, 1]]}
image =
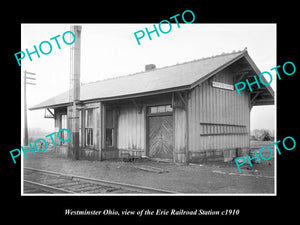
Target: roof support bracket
{"points": [[52, 116], [255, 96], [181, 98], [138, 107], [242, 77], [182, 101]]}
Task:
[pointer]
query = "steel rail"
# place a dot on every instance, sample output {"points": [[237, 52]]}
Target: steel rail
{"points": [[47, 188], [129, 187]]}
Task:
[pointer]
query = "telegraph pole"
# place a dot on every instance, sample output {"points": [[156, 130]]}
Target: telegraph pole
{"points": [[25, 141]]}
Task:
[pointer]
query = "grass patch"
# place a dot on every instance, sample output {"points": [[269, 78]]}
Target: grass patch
{"points": [[259, 144]]}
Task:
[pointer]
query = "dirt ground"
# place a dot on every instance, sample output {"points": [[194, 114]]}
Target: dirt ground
{"points": [[209, 178]]}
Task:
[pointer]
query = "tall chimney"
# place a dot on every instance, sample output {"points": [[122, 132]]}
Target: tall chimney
{"points": [[75, 92], [150, 67], [76, 64]]}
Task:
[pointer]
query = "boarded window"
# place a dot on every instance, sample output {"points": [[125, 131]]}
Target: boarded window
{"points": [[222, 129]]}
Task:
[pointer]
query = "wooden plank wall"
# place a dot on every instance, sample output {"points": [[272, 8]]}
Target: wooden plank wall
{"points": [[60, 147], [218, 106], [131, 128], [57, 125], [180, 135]]}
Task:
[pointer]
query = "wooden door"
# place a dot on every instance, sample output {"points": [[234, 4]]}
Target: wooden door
{"points": [[160, 137]]}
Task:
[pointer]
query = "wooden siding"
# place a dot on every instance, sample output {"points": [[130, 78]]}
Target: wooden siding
{"points": [[60, 146], [131, 128], [91, 152], [98, 126], [94, 120], [180, 135], [218, 108]]}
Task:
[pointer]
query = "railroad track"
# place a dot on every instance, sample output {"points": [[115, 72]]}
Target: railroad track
{"points": [[38, 181]]}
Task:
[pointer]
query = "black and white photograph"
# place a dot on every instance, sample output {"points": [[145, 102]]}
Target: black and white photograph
{"points": [[129, 109], [144, 113]]}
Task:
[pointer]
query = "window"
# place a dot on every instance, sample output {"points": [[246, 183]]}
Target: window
{"points": [[80, 128], [109, 137], [153, 109], [109, 125], [160, 109], [88, 120], [64, 135], [169, 108]]}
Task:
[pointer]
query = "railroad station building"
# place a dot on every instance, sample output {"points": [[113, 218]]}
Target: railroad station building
{"points": [[184, 113]]}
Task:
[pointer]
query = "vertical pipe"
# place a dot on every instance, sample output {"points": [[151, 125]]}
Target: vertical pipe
{"points": [[75, 98]]}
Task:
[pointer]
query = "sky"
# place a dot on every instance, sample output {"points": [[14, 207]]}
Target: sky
{"points": [[110, 50]]}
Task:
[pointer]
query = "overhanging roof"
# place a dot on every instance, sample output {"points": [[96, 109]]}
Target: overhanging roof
{"points": [[172, 78]]}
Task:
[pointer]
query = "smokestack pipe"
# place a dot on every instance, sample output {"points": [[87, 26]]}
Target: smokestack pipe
{"points": [[76, 64], [75, 92]]}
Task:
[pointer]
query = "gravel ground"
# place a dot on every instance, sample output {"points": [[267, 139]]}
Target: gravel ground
{"points": [[209, 178]]}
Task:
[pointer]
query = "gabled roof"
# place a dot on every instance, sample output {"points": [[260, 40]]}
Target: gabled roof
{"points": [[171, 78]]}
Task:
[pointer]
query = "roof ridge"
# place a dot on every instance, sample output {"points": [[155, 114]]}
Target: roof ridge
{"points": [[195, 60], [209, 57]]}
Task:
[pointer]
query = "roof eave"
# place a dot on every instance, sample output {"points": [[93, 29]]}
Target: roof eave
{"points": [[258, 72], [264, 102], [50, 106], [136, 95], [212, 73]]}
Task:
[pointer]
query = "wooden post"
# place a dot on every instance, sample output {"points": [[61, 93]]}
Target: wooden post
{"points": [[186, 161], [98, 130], [25, 141], [25, 114], [115, 127], [101, 129]]}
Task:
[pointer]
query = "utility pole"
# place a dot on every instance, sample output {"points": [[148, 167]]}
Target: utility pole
{"points": [[25, 141]]}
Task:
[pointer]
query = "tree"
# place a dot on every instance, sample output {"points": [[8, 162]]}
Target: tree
{"points": [[266, 136], [262, 134]]}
